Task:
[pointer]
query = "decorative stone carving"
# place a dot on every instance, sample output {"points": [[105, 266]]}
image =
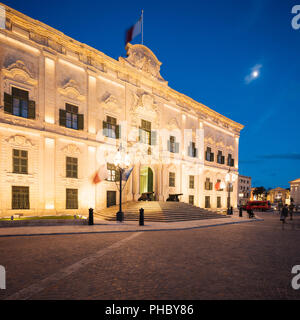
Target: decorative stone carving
{"points": [[19, 140], [19, 72], [143, 59], [143, 106], [209, 140], [111, 103], [173, 125], [71, 149], [71, 90]]}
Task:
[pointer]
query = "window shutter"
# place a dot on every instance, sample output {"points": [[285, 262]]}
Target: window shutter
{"points": [[212, 157], [117, 175], [31, 110], [232, 162], [177, 147], [118, 132], [169, 145], [105, 128], [223, 160], [62, 117], [153, 138], [8, 103], [196, 153], [80, 122]]}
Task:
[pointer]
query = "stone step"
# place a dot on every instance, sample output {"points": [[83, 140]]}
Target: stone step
{"points": [[159, 212]]}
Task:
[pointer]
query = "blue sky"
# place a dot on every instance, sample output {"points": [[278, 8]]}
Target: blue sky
{"points": [[208, 48]]}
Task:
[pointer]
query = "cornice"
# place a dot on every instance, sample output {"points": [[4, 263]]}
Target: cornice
{"points": [[51, 38]]}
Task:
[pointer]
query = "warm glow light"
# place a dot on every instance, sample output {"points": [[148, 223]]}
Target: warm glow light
{"points": [[49, 119], [49, 206], [255, 74]]}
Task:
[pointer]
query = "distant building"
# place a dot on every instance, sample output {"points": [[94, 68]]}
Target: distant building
{"points": [[295, 191], [244, 189], [279, 195]]}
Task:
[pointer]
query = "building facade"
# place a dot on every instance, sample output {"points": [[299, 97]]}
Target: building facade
{"points": [[65, 110], [244, 189], [279, 195], [295, 191]]}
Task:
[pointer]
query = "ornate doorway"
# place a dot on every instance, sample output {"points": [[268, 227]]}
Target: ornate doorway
{"points": [[146, 180]]}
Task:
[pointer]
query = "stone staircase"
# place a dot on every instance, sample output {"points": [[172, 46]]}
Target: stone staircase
{"points": [[159, 212]]}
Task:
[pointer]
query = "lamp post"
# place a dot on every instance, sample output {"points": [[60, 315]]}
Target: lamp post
{"points": [[121, 162], [230, 178]]}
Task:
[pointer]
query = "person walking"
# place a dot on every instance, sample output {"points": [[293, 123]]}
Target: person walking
{"points": [[284, 214], [291, 209]]}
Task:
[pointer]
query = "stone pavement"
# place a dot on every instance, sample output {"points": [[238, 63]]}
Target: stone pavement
{"points": [[101, 226]]}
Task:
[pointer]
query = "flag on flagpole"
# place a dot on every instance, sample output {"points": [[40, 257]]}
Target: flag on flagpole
{"points": [[100, 175], [218, 185], [134, 31], [126, 174]]}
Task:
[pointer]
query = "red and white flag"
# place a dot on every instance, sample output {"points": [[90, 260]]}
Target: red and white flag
{"points": [[134, 31], [100, 175]]}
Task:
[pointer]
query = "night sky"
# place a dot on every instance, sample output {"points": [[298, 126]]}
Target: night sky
{"points": [[209, 50]]}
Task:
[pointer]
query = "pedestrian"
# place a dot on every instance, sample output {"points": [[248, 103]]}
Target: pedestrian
{"points": [[291, 209], [284, 213]]}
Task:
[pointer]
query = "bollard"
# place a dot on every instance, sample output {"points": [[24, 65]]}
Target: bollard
{"points": [[91, 216], [241, 212], [141, 217]]}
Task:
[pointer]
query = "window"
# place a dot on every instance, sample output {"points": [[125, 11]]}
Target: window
{"points": [[70, 118], [208, 185], [209, 156], [192, 150], [220, 158], [207, 202], [191, 199], [219, 205], [171, 179], [20, 161], [71, 199], [113, 174], [146, 135], [191, 182], [18, 104], [110, 128], [20, 198], [173, 146], [230, 161], [71, 167]]}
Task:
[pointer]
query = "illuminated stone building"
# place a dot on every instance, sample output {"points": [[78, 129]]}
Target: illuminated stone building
{"points": [[295, 191], [65, 109]]}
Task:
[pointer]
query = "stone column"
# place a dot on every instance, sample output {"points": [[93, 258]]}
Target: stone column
{"points": [[50, 89], [136, 182], [49, 174]]}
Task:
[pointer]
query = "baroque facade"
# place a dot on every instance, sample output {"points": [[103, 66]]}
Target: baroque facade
{"points": [[66, 108]]}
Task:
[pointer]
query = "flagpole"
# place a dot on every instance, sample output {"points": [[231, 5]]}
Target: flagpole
{"points": [[142, 27]]}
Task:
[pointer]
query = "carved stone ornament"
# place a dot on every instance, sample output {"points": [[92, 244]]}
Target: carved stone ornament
{"points": [[143, 59], [19, 72], [143, 106], [71, 90], [71, 149], [173, 125], [111, 103], [209, 140], [19, 140]]}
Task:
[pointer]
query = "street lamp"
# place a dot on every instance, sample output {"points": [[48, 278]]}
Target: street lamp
{"points": [[229, 178], [121, 162]]}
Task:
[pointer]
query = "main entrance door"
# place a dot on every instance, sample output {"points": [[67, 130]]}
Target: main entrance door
{"points": [[110, 198], [146, 180]]}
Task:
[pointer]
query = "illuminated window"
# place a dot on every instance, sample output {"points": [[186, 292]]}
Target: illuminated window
{"points": [[18, 104], [70, 118], [209, 156], [171, 179], [192, 150], [113, 174], [20, 198], [20, 161], [191, 182], [71, 167], [71, 199], [110, 128], [173, 146], [208, 185]]}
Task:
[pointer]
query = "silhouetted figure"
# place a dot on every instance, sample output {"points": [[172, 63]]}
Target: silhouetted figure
{"points": [[284, 213], [291, 209]]}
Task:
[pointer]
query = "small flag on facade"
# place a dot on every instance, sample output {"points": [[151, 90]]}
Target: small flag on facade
{"points": [[100, 175], [134, 31], [218, 185], [126, 174]]}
